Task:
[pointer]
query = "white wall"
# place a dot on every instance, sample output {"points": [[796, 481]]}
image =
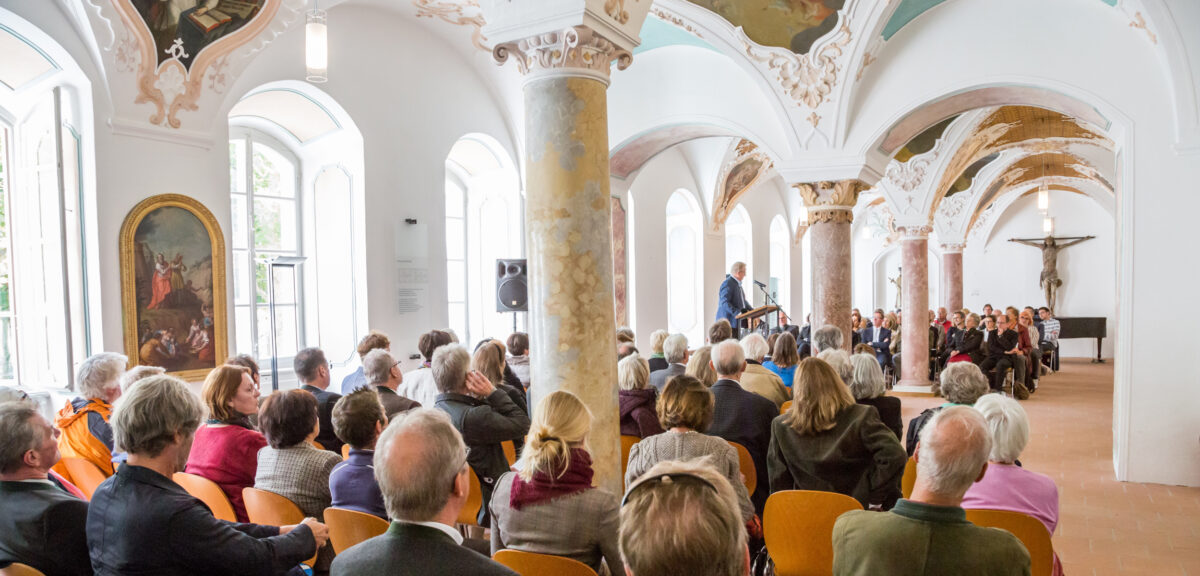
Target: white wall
{"points": [[1005, 273]]}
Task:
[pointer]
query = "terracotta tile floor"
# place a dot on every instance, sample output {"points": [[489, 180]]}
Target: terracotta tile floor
{"points": [[1105, 527]]}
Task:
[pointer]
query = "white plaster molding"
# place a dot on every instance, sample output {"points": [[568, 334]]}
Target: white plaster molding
{"points": [[808, 78], [464, 13], [574, 51], [176, 136]]}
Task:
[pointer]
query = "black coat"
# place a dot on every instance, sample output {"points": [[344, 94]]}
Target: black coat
{"points": [[43, 526], [971, 344], [414, 550], [657, 363], [325, 401], [745, 417], [140, 522], [888, 408], [484, 425]]}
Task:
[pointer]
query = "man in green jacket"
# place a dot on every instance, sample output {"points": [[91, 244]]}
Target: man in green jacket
{"points": [[928, 534]]}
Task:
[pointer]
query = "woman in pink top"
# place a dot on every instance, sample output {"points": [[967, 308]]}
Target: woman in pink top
{"points": [[226, 447], [1006, 486]]}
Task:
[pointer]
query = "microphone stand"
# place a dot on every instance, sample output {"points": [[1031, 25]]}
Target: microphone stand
{"points": [[771, 300]]}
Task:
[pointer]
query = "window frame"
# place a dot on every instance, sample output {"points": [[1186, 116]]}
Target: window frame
{"points": [[692, 220]]}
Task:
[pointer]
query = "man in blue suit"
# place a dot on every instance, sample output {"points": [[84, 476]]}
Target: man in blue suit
{"points": [[732, 301], [879, 338]]}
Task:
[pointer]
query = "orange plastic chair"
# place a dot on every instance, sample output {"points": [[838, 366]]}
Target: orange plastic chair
{"points": [[798, 529], [15, 569], [271, 509], [209, 493], [627, 443], [469, 514], [345, 451], [746, 465], [84, 474], [783, 409], [349, 527], [317, 445], [510, 452], [1027, 529], [910, 478], [530, 564]]}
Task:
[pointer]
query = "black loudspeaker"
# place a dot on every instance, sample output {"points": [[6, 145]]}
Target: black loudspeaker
{"points": [[512, 289]]}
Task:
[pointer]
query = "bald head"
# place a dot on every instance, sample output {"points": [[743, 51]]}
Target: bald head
{"points": [[417, 460], [952, 452]]}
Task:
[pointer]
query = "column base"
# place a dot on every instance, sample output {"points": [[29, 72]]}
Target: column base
{"points": [[910, 388]]}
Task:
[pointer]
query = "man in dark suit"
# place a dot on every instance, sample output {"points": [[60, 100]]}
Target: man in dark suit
{"points": [[313, 371], [741, 416], [804, 340], [879, 338], [41, 525], [732, 300], [675, 350], [423, 506]]}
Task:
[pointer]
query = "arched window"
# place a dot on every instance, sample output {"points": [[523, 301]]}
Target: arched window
{"points": [[780, 284], [739, 244], [684, 265]]}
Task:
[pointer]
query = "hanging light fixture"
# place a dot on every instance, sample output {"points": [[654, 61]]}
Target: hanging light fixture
{"points": [[1048, 225], [1043, 192], [316, 46]]}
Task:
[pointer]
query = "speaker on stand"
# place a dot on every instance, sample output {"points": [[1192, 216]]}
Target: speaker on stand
{"points": [[512, 287]]}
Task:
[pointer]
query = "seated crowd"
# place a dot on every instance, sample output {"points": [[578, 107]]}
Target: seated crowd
{"points": [[412, 447]]}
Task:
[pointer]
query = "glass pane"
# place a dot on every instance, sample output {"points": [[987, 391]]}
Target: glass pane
{"points": [[455, 239], [677, 205], [681, 279], [241, 283], [275, 224], [8, 345], [285, 284], [454, 200], [285, 329], [239, 221], [237, 166], [458, 319], [244, 343], [274, 175], [456, 281], [260, 281], [5, 258], [334, 248]]}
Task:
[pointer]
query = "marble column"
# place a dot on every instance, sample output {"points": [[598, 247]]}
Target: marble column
{"points": [[952, 276], [569, 228], [830, 212], [914, 255]]}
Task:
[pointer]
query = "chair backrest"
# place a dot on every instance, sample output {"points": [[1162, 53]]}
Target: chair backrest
{"points": [[271, 509], [1031, 532], [910, 478], [15, 569], [510, 451], [469, 514], [627, 443], [530, 564], [345, 451], [84, 474], [798, 528], [349, 527], [746, 465], [786, 405], [316, 444], [209, 493]]}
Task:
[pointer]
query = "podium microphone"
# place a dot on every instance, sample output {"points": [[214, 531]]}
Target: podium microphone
{"points": [[759, 284]]}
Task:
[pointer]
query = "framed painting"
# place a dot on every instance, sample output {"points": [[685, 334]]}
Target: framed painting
{"points": [[173, 286]]}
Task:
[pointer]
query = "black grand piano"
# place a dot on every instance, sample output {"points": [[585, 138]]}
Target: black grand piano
{"points": [[1084, 328]]}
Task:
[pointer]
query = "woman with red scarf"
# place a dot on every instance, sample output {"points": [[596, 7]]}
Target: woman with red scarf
{"points": [[550, 506]]}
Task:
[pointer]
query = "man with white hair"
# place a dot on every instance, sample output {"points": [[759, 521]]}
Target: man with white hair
{"points": [[421, 466], [83, 421], [675, 351], [382, 372], [731, 300], [928, 534], [741, 416], [827, 337], [839, 360], [758, 378]]}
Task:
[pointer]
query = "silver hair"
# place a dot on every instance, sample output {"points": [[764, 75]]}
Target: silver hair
{"points": [[867, 379], [755, 347], [736, 267], [450, 364], [973, 316], [19, 432], [963, 383], [954, 446], [839, 360], [100, 373], [827, 337], [1009, 425], [728, 357], [147, 418], [675, 348], [377, 366], [633, 372], [416, 488], [657, 338], [139, 373]]}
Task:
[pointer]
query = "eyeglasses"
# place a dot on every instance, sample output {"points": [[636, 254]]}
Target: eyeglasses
{"points": [[667, 479]]}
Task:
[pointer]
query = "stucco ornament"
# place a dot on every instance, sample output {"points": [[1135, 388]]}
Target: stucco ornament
{"points": [[616, 10], [125, 53], [801, 228], [830, 201], [577, 49], [170, 80], [807, 78], [738, 175], [461, 13], [672, 18]]}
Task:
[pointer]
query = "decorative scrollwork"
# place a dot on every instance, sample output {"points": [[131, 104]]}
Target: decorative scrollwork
{"points": [[466, 13], [578, 47], [807, 78]]}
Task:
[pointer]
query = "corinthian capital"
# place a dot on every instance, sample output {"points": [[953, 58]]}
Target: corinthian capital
{"points": [[830, 201], [574, 51], [915, 232]]}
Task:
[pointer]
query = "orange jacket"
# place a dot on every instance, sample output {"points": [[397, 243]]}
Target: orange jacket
{"points": [[86, 433]]}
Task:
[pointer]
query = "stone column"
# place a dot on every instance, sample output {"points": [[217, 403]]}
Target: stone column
{"points": [[568, 219], [914, 254], [952, 276], [830, 212]]}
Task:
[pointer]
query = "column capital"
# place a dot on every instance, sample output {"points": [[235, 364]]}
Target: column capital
{"points": [[830, 201], [571, 51], [953, 247], [915, 232]]}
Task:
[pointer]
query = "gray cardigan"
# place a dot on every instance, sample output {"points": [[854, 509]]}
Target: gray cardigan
{"points": [[690, 446]]}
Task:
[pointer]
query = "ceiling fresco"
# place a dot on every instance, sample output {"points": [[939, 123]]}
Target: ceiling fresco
{"points": [[790, 24]]}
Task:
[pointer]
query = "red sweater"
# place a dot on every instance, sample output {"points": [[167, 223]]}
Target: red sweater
{"points": [[227, 455]]}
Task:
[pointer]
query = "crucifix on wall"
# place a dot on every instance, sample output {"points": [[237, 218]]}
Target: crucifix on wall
{"points": [[1050, 247]]}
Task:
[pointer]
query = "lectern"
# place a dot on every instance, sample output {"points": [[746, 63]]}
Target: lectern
{"points": [[756, 316]]}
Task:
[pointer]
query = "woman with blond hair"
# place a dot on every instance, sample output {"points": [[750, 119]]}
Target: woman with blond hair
{"points": [[550, 506], [827, 442], [226, 446], [699, 366], [637, 398]]}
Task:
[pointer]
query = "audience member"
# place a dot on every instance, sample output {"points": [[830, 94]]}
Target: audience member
{"points": [[827, 442], [550, 506], [891, 321], [372, 341], [313, 372], [675, 352], [41, 523], [83, 422], [383, 375], [421, 465], [867, 388], [839, 360], [226, 446], [658, 357], [139, 373], [1004, 352], [720, 331], [683, 498], [740, 415], [485, 415], [1033, 372], [518, 357], [1005, 484], [987, 309], [625, 350], [1051, 328], [418, 384], [879, 337], [247, 361], [757, 378], [928, 534], [953, 338], [804, 340], [489, 361], [963, 384], [863, 348], [358, 418], [699, 366], [685, 411], [969, 345], [827, 337], [141, 522], [784, 358], [290, 465], [508, 376], [625, 334], [637, 398], [771, 340]]}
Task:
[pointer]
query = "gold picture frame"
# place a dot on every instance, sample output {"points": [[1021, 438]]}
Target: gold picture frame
{"points": [[164, 297]]}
